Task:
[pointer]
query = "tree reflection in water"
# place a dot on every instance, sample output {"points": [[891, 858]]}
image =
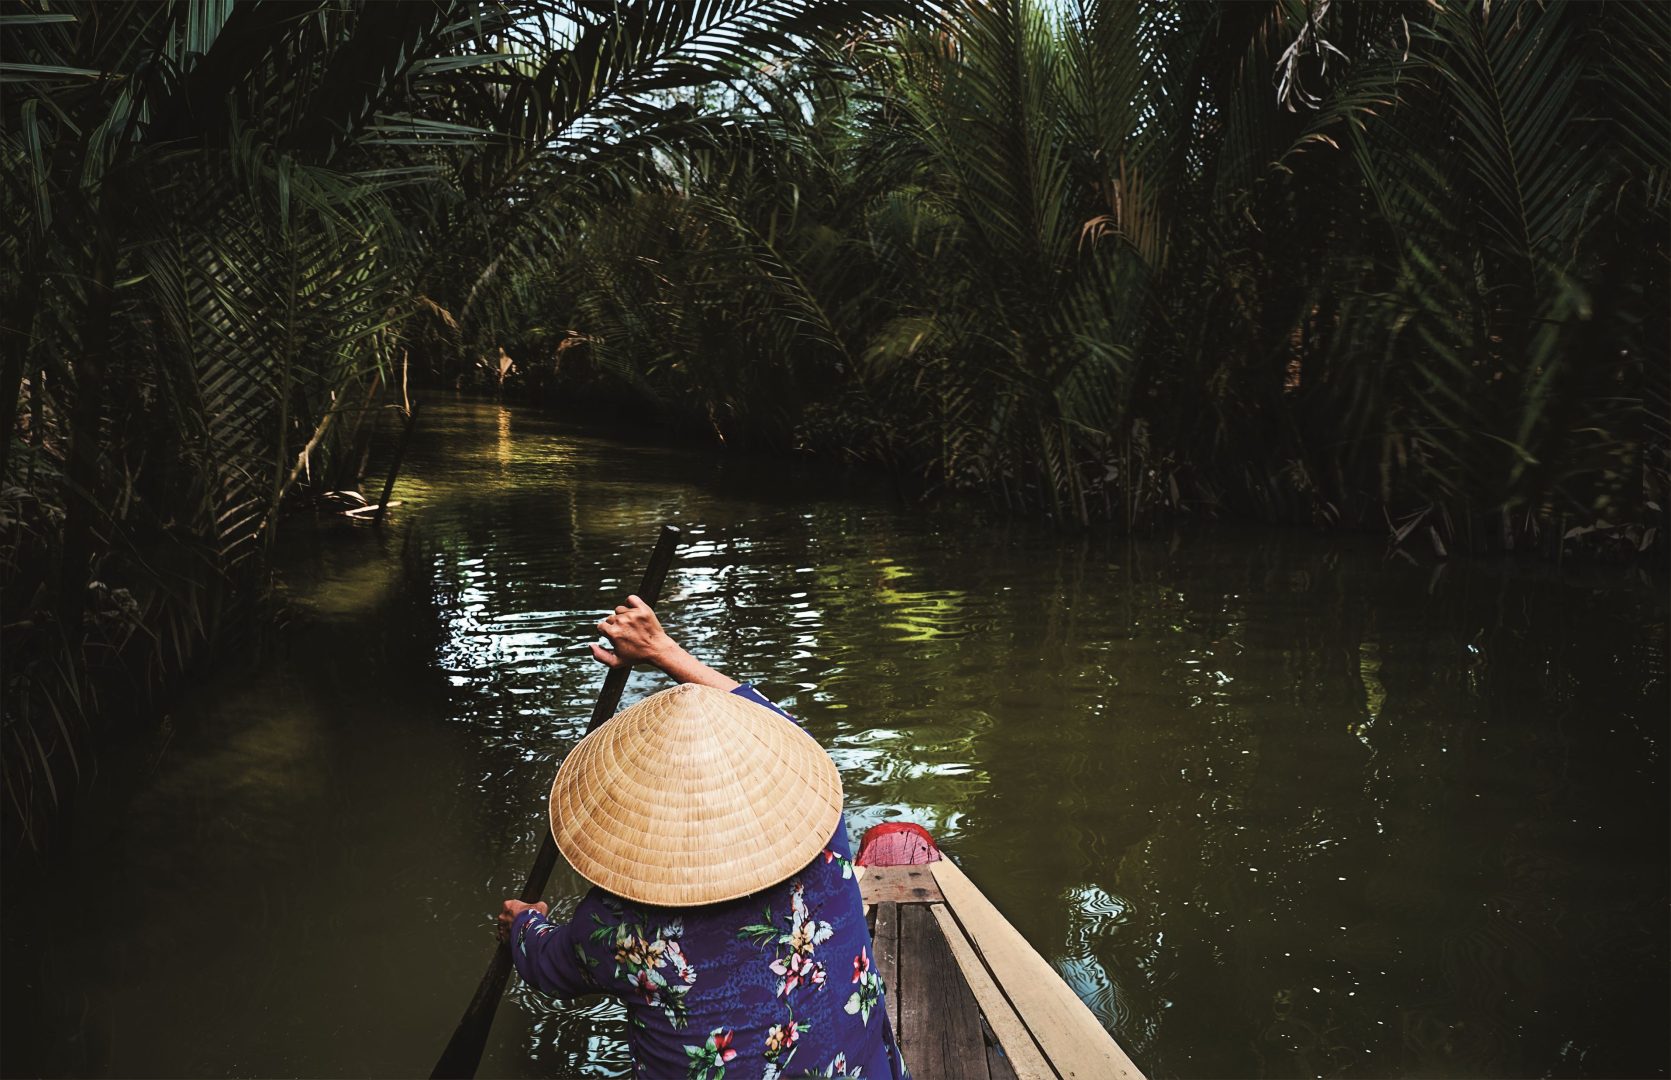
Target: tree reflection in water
{"points": [[1272, 804]]}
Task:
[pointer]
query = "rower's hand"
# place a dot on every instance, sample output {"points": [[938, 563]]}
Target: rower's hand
{"points": [[636, 634], [511, 910]]}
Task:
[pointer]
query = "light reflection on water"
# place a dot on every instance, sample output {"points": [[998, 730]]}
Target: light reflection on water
{"points": [[1271, 804], [1200, 779]]}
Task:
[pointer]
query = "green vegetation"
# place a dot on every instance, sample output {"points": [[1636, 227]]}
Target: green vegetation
{"points": [[233, 228], [1381, 265], [1388, 265]]}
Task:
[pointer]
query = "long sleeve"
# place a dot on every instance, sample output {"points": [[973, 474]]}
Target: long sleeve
{"points": [[775, 983], [748, 691], [548, 956]]}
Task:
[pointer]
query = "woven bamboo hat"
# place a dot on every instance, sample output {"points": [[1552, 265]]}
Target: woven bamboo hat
{"points": [[694, 796]]}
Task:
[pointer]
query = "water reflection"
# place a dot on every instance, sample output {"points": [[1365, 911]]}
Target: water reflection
{"points": [[1250, 796], [1272, 805]]}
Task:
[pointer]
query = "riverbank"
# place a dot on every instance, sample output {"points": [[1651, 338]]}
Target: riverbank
{"points": [[1430, 533]]}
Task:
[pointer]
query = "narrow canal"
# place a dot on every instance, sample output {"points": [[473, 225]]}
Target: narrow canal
{"points": [[1272, 803]]}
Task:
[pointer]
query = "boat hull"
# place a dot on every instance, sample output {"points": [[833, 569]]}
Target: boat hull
{"points": [[968, 997]]}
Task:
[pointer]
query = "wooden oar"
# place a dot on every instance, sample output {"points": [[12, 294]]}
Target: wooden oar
{"points": [[464, 1051]]}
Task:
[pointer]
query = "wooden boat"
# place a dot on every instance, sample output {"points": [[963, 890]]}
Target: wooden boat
{"points": [[968, 997]]}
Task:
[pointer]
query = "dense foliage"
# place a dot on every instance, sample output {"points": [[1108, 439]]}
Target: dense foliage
{"points": [[1398, 264], [232, 229]]}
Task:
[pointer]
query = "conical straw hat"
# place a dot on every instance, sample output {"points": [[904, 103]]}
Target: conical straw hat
{"points": [[693, 796]]}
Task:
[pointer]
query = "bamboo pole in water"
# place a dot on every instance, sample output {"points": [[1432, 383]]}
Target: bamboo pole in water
{"points": [[464, 1051], [394, 466]]}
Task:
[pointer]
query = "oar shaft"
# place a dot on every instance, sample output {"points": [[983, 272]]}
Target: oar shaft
{"points": [[464, 1050]]}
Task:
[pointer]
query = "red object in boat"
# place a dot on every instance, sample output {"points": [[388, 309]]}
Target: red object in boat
{"points": [[897, 843]]}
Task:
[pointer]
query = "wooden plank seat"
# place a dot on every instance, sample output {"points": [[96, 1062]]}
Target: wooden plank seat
{"points": [[968, 997]]}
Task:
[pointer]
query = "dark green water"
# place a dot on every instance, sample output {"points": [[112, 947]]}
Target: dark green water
{"points": [[1273, 804]]}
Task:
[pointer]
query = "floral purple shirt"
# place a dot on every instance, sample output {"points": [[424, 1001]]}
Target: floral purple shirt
{"points": [[777, 984]]}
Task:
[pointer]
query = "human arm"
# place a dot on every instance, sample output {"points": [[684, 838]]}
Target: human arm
{"points": [[638, 637], [547, 954], [513, 908]]}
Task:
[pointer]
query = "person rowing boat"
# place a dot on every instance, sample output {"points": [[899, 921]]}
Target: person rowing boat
{"points": [[724, 911]]}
